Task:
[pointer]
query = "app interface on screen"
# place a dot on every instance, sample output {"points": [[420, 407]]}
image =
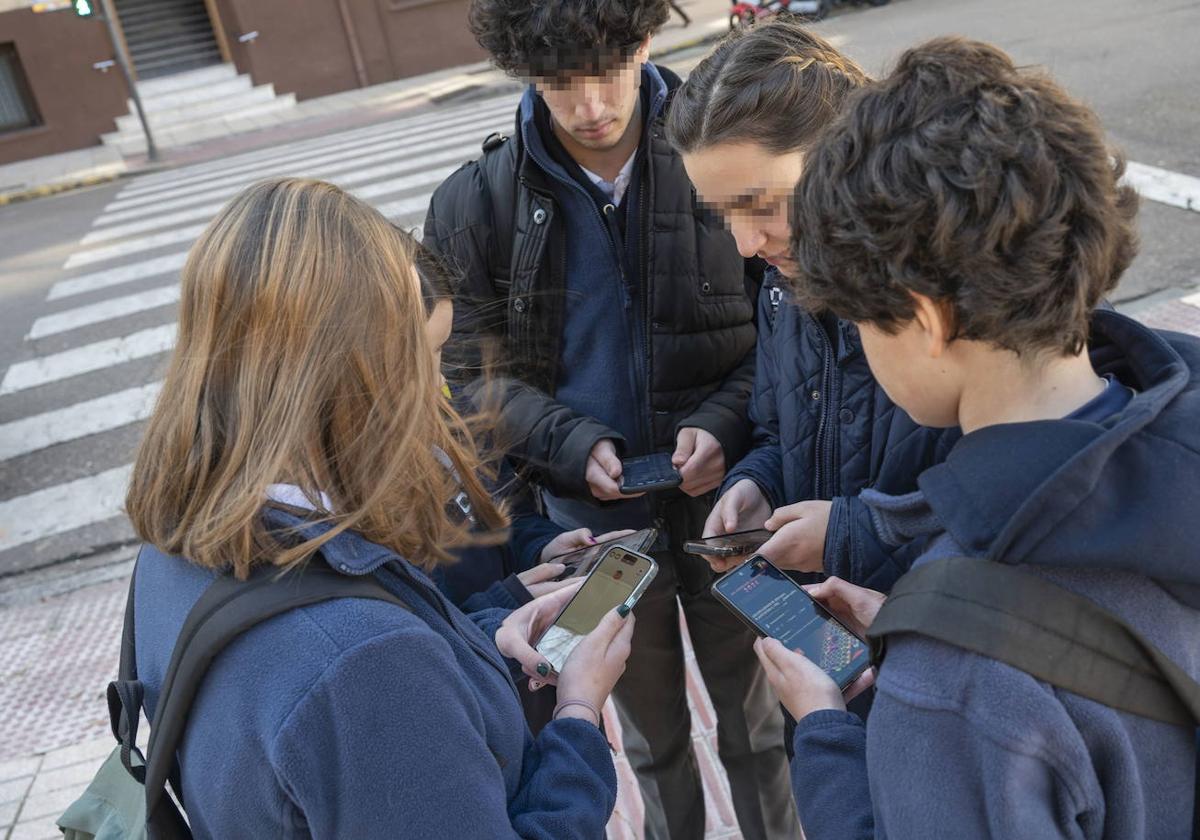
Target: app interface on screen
{"points": [[610, 585], [781, 610]]}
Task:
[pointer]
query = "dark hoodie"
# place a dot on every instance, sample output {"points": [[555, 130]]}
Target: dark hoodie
{"points": [[963, 746]]}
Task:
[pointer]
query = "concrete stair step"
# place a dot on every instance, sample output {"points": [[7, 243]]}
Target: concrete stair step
{"points": [[169, 49], [183, 134], [194, 27], [183, 81], [141, 14], [188, 96], [161, 69], [201, 110]]}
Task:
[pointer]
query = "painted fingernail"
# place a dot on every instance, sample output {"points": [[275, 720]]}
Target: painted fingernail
{"points": [[623, 610], [543, 669], [592, 540]]}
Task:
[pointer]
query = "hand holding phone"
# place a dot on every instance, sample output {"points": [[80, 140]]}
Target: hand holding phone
{"points": [[737, 544], [648, 472], [579, 563], [619, 579], [774, 605]]}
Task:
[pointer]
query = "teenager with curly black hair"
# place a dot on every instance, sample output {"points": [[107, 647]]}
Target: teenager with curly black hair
{"points": [[619, 319]]}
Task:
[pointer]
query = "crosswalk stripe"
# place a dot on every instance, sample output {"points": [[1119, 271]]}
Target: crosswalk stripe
{"points": [[152, 241], [397, 140], [404, 207], [1164, 186], [112, 411], [88, 358], [155, 218], [388, 149], [333, 171], [117, 276], [505, 104], [134, 246], [63, 507], [105, 310]]}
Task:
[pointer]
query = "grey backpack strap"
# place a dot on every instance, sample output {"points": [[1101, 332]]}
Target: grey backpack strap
{"points": [[1055, 635]]}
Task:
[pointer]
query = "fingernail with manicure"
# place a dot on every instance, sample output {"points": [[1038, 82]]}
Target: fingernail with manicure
{"points": [[543, 669], [623, 610]]}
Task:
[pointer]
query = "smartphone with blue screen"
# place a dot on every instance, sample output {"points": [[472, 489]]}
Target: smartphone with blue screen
{"points": [[775, 605]]}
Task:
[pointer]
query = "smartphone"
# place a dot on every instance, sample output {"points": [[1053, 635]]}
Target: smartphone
{"points": [[775, 605], [648, 472], [730, 545], [620, 577], [580, 562]]}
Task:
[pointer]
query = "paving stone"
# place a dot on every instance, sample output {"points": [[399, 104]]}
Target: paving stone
{"points": [[71, 776], [40, 829], [14, 790], [50, 804], [8, 813], [18, 767]]}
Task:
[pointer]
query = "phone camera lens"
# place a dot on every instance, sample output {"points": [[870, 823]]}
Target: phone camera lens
{"points": [[627, 560]]}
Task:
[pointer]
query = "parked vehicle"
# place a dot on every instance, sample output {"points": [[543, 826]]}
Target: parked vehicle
{"points": [[749, 12]]}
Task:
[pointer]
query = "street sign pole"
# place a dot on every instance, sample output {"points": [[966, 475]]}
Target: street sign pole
{"points": [[118, 45]]}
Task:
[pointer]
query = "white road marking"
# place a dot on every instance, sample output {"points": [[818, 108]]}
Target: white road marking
{"points": [[154, 218], [117, 276], [1164, 186], [112, 411], [397, 129], [395, 139], [63, 507], [105, 310], [107, 253], [88, 358]]}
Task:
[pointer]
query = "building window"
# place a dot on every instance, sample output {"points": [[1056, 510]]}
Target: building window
{"points": [[17, 110]]}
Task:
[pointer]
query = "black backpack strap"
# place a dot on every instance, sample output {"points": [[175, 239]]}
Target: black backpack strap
{"points": [[498, 172], [1051, 633], [125, 693], [227, 609]]}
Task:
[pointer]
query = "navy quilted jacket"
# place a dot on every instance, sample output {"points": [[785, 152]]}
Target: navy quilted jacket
{"points": [[823, 429]]}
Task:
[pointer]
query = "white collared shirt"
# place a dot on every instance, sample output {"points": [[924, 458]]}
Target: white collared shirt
{"points": [[614, 189]]}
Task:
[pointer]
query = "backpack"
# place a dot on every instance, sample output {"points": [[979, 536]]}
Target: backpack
{"points": [[1055, 635], [128, 796]]}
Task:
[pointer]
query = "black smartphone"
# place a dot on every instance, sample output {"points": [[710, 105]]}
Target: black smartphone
{"points": [[730, 545], [775, 605], [648, 472], [580, 561], [620, 577]]}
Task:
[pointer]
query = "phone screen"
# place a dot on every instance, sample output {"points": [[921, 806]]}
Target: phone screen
{"points": [[616, 578], [580, 562], [779, 608]]}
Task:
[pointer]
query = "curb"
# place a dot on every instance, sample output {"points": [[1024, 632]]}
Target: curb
{"points": [[56, 187], [698, 41]]}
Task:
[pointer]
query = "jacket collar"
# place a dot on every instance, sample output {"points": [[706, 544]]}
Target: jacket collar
{"points": [[349, 552]]}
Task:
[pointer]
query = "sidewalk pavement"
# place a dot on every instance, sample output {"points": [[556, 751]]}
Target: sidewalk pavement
{"points": [[337, 112]]}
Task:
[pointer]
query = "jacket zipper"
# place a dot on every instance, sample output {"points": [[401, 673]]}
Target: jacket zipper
{"points": [[823, 480]]}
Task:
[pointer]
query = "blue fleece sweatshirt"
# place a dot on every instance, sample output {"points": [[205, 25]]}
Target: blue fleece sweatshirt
{"points": [[962, 746], [355, 718]]}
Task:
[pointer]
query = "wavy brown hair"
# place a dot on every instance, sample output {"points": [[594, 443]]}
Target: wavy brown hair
{"points": [[302, 358], [972, 181]]}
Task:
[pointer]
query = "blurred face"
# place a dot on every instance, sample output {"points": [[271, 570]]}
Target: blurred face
{"points": [[595, 112], [437, 329], [917, 367], [751, 188]]}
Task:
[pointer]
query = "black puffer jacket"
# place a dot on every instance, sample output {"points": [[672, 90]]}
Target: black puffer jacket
{"points": [[496, 223]]}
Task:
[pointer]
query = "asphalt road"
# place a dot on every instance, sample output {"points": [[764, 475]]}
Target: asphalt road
{"points": [[1134, 62]]}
